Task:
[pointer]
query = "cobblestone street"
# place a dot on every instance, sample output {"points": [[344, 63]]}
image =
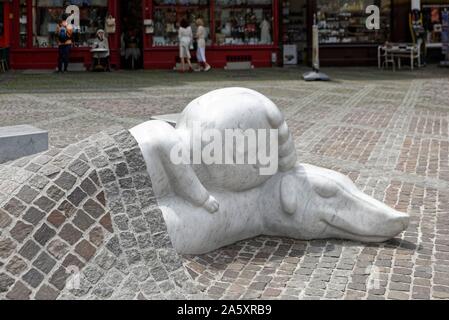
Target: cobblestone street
{"points": [[389, 132]]}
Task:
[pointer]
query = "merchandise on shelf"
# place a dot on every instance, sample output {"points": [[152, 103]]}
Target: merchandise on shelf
{"points": [[343, 21], [433, 22], [46, 14], [168, 13], [243, 22]]}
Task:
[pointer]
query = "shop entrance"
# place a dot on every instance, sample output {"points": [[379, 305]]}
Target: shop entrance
{"points": [[132, 36], [293, 27]]}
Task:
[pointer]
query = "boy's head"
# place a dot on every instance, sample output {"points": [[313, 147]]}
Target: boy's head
{"points": [[64, 16]]}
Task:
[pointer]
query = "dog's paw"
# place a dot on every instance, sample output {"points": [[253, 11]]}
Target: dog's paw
{"points": [[211, 205]]}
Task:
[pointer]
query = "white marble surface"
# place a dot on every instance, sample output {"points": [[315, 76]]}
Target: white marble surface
{"points": [[210, 206]]}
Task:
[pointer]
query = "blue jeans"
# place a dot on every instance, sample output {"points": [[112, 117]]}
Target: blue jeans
{"points": [[63, 58]]}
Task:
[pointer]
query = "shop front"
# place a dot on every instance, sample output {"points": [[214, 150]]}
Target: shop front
{"points": [[4, 23], [259, 32], [34, 40], [237, 30], [344, 36]]}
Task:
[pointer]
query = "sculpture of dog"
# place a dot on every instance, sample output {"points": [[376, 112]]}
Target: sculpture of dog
{"points": [[298, 200]]}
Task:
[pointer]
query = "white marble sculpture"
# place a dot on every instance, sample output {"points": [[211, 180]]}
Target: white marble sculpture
{"points": [[208, 206]]}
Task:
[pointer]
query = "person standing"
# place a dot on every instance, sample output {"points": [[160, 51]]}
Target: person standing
{"points": [[64, 33], [201, 45], [185, 37]]}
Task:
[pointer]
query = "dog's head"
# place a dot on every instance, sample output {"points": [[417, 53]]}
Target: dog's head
{"points": [[322, 203]]}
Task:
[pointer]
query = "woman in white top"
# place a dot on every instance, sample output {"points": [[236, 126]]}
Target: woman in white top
{"points": [[185, 40], [201, 48]]}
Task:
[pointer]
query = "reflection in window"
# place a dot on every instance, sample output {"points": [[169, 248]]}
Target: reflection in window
{"points": [[168, 13], [433, 22], [2, 20], [47, 13], [23, 24], [343, 21], [240, 22]]}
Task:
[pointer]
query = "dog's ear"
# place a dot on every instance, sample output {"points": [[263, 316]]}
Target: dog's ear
{"points": [[288, 194]]}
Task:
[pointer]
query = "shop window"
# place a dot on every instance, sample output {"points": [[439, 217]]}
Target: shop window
{"points": [[343, 21], [88, 17], [243, 22], [2, 20], [23, 24], [432, 22], [168, 13]]}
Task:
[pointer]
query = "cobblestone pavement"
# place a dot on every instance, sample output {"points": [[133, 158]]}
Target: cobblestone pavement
{"points": [[387, 131]]}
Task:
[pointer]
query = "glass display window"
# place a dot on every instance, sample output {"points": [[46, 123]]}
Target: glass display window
{"points": [[243, 22], [433, 22], [88, 17], [167, 14], [343, 21], [2, 20], [23, 23]]}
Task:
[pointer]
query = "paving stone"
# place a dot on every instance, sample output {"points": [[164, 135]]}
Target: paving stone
{"points": [[66, 181], [33, 215], [79, 167], [82, 220], [39, 182], [96, 236], [106, 222], [93, 208], [88, 186], [5, 282], [70, 234], [44, 204], [15, 207], [56, 218], [72, 261], [27, 194], [33, 278], [16, 266], [85, 249], [7, 247], [59, 278], [46, 293], [5, 219], [29, 250], [58, 248], [21, 230], [77, 196], [105, 259], [19, 292], [93, 274], [44, 262], [55, 193], [44, 234]]}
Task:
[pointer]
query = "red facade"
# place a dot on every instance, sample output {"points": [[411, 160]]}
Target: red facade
{"points": [[5, 17], [25, 54]]}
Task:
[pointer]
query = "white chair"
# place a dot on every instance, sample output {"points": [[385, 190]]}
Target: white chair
{"points": [[388, 58]]}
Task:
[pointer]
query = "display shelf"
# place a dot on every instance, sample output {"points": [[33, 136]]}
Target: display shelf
{"points": [[342, 22]]}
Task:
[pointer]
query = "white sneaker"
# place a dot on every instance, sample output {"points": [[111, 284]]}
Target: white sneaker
{"points": [[207, 68]]}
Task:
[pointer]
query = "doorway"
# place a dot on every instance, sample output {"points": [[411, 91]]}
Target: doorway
{"points": [[293, 27], [132, 36]]}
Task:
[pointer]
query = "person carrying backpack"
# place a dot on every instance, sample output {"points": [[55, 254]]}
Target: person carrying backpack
{"points": [[64, 33]]}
